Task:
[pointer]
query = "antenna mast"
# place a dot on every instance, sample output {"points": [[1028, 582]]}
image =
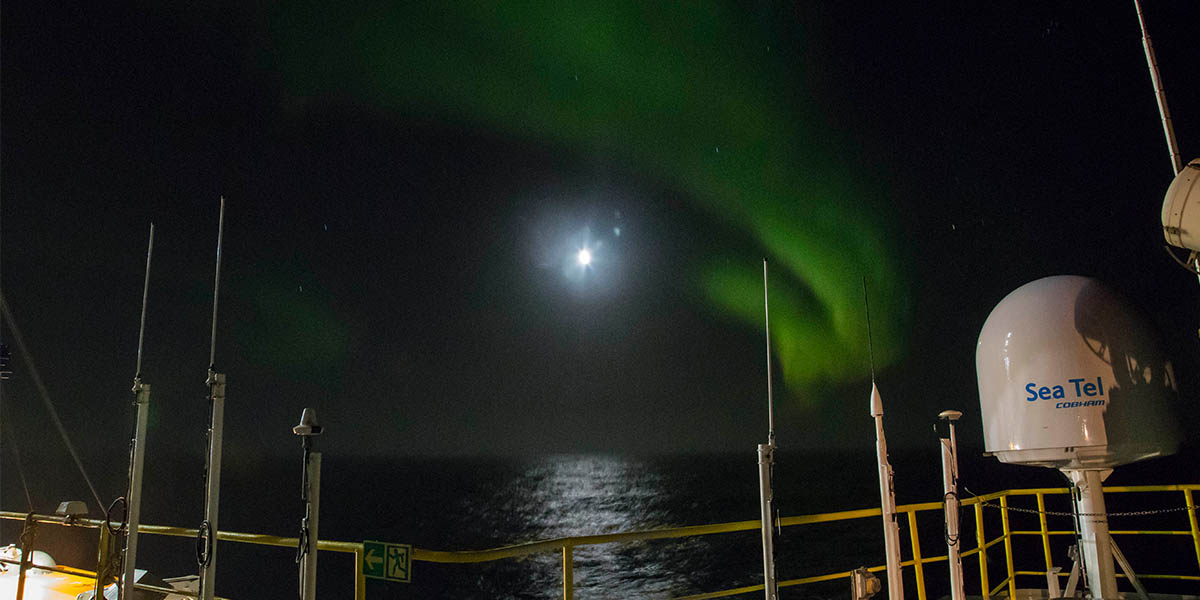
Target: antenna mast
{"points": [[145, 295], [1159, 94], [206, 536], [870, 342], [137, 445], [212, 348], [887, 489], [766, 468], [767, 326]]}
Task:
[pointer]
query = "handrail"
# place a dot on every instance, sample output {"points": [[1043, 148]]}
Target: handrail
{"points": [[565, 545], [229, 536], [355, 548], [477, 556]]}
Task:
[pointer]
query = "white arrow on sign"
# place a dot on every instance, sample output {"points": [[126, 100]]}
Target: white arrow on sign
{"points": [[371, 558]]}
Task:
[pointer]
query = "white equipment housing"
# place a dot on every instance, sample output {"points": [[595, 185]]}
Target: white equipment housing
{"points": [[1181, 208], [1070, 377]]}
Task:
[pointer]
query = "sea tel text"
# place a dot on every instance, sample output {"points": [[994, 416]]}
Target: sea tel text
{"points": [[1082, 388]]}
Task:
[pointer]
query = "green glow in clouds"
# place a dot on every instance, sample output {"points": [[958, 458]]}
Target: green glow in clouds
{"points": [[689, 93]]}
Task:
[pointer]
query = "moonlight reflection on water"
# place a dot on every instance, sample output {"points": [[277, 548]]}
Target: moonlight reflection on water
{"points": [[566, 496]]}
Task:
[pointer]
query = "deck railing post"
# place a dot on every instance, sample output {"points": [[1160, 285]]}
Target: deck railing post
{"points": [[981, 543], [1008, 557], [568, 569], [1191, 505], [28, 535], [360, 579], [1041, 504], [918, 566]]}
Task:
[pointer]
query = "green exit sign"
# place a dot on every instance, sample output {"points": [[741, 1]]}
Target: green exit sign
{"points": [[390, 562]]}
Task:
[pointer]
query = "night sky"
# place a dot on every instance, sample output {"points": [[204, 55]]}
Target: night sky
{"points": [[406, 188]]}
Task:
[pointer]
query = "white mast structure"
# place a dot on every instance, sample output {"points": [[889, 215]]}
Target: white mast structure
{"points": [[1160, 95], [766, 468], [887, 500], [1095, 542], [948, 442], [311, 495], [887, 490]]}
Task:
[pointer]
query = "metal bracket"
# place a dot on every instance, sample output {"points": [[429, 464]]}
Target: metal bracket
{"points": [[1128, 570]]}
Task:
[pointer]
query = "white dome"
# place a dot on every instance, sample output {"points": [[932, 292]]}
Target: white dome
{"points": [[1181, 208], [1071, 376], [37, 557]]}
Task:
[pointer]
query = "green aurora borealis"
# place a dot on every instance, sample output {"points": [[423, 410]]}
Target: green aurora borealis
{"points": [[688, 95]]}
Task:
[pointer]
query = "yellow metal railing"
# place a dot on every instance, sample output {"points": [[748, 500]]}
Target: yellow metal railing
{"points": [[355, 548], [564, 547]]}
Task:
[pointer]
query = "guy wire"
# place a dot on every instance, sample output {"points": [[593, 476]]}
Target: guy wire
{"points": [[45, 396]]}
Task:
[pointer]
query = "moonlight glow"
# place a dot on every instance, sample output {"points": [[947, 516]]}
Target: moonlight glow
{"points": [[584, 257], [662, 88]]}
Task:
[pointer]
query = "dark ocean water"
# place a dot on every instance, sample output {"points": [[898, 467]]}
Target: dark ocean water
{"points": [[462, 504]]}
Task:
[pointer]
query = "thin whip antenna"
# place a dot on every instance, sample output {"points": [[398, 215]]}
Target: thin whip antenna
{"points": [[212, 349], [145, 295], [767, 323], [870, 343], [1159, 94]]}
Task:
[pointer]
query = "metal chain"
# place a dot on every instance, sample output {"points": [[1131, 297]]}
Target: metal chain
{"points": [[1059, 513]]}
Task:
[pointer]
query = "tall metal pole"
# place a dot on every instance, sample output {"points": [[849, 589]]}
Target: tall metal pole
{"points": [[766, 468], [308, 572], [887, 499], [887, 490], [949, 446], [1159, 94], [311, 495], [206, 554], [766, 457], [137, 445], [1095, 543]]}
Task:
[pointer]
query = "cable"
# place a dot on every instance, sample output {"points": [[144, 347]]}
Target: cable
{"points": [[204, 543], [17, 458], [951, 539], [108, 520], [45, 396]]}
